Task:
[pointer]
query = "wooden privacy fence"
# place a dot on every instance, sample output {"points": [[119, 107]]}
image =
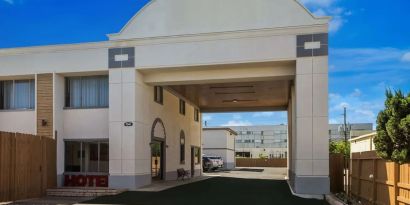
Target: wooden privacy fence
{"points": [[250, 162], [377, 181], [336, 174], [27, 166]]}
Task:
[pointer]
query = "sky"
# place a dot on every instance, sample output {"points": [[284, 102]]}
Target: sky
{"points": [[369, 46]]}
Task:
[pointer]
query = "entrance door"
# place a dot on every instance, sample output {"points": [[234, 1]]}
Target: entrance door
{"points": [[157, 160], [192, 161]]}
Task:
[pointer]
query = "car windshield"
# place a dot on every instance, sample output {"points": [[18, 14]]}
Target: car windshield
{"points": [[214, 157]]}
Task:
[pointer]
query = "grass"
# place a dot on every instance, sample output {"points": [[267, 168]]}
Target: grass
{"points": [[219, 190]]}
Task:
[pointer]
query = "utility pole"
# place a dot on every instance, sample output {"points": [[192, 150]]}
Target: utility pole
{"points": [[345, 124], [346, 160]]}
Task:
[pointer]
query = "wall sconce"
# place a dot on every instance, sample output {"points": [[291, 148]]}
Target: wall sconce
{"points": [[44, 123]]}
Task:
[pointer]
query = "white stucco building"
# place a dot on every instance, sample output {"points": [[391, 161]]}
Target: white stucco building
{"points": [[127, 110], [220, 142]]}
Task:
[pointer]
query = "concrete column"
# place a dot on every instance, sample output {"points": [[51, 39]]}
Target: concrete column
{"points": [[123, 128], [311, 156]]}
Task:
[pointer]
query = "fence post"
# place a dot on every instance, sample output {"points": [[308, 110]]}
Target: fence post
{"points": [[374, 182], [396, 176], [359, 175]]}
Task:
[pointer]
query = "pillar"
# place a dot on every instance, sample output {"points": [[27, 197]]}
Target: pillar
{"points": [[311, 146]]}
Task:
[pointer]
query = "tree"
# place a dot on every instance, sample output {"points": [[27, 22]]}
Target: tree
{"points": [[392, 141], [340, 147]]}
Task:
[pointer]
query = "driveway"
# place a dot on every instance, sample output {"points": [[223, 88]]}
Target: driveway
{"points": [[216, 190], [252, 173]]}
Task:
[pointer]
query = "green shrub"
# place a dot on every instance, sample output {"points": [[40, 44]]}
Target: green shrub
{"points": [[339, 147], [392, 141]]}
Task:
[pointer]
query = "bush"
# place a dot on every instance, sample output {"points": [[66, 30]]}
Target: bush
{"points": [[392, 141], [340, 147]]}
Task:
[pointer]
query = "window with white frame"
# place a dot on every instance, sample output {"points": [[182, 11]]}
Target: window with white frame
{"points": [[17, 94], [86, 92]]}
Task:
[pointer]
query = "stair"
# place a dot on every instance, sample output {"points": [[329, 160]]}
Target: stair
{"points": [[82, 192]]}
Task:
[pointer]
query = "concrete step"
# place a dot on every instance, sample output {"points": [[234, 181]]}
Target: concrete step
{"points": [[86, 192]]}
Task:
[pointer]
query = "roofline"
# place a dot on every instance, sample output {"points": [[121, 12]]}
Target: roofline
{"points": [[155, 40], [363, 136], [221, 128], [132, 18], [152, 1], [315, 17]]}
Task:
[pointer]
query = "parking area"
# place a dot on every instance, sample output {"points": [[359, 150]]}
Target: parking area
{"points": [[270, 173]]}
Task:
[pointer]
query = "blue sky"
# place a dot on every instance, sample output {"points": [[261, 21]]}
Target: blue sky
{"points": [[369, 46]]}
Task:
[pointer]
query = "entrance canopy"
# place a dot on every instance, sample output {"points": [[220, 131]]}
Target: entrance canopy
{"points": [[243, 96]]}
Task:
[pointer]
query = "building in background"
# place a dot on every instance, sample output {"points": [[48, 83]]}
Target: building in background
{"points": [[265, 141], [362, 143], [220, 142], [355, 130]]}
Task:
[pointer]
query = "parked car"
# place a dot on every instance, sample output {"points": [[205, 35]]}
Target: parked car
{"points": [[212, 163]]}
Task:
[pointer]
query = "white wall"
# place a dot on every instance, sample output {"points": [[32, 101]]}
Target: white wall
{"points": [[182, 17], [220, 143], [362, 145], [131, 100], [18, 121], [85, 124], [42, 61], [215, 139]]}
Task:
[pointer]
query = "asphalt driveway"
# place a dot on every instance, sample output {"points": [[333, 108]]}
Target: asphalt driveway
{"points": [[217, 190]]}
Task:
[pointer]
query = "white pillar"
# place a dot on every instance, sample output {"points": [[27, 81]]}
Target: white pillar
{"points": [[311, 156], [123, 128]]}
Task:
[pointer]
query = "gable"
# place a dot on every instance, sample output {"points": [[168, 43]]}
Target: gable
{"points": [[184, 17]]}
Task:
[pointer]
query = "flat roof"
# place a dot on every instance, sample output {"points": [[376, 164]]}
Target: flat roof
{"points": [[221, 128]]}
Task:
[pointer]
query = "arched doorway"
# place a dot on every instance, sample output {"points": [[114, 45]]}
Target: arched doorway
{"points": [[158, 152]]}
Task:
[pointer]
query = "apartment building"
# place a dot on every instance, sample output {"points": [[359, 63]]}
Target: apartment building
{"points": [[336, 131], [263, 141]]}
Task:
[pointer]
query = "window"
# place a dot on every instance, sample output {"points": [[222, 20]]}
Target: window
{"points": [[181, 107], [196, 115], [86, 156], [182, 148], [86, 92], [197, 155], [17, 94], [158, 94]]}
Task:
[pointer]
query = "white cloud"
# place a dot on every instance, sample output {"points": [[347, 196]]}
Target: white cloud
{"points": [[406, 57], [328, 8], [207, 117], [318, 3], [237, 123], [356, 93], [359, 107], [237, 116], [346, 59], [319, 12], [9, 1], [263, 114], [335, 24]]}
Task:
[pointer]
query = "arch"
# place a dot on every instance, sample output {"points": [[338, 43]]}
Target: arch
{"points": [[158, 130]]}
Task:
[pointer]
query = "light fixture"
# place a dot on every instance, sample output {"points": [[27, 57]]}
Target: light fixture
{"points": [[234, 100]]}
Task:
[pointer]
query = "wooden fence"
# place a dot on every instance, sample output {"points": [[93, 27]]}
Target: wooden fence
{"points": [[336, 174], [250, 162], [377, 181], [27, 166]]}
